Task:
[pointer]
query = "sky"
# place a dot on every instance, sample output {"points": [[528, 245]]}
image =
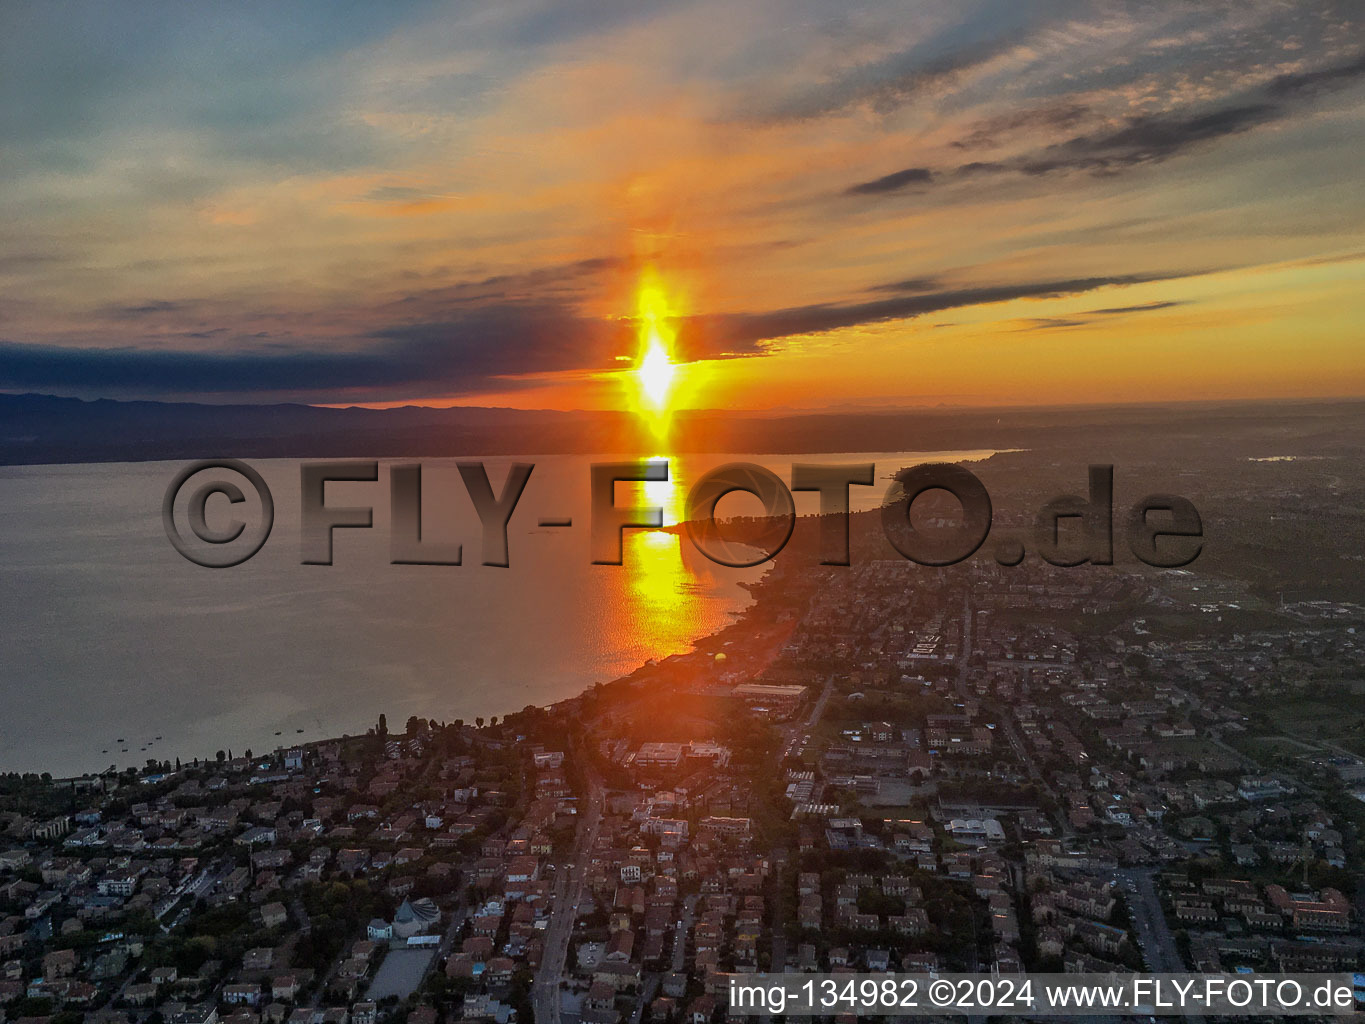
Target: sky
{"points": [[984, 202]]}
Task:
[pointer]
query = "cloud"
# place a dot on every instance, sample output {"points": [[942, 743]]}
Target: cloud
{"points": [[1146, 139], [936, 61], [18, 262], [154, 307], [895, 182], [473, 349], [886, 84], [256, 189], [452, 356], [395, 194], [988, 132], [1090, 316], [1140, 139], [909, 284], [1045, 323], [747, 333], [1301, 83], [1146, 307]]}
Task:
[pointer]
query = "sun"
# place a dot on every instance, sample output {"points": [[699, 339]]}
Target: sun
{"points": [[655, 371]]}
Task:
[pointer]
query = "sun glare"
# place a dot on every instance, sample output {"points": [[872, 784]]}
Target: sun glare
{"points": [[654, 326], [656, 373]]}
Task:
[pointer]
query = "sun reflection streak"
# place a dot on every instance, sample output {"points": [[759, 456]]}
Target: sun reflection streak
{"points": [[663, 587]]}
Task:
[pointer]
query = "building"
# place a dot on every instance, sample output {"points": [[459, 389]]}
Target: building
{"points": [[413, 917], [379, 930], [659, 755], [980, 829], [770, 700], [273, 915]]}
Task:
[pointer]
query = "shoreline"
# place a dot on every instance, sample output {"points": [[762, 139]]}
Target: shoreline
{"points": [[716, 635], [558, 705]]}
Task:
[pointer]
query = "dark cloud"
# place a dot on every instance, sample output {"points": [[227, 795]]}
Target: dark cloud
{"points": [[430, 357], [1146, 307], [747, 333], [450, 339], [17, 262], [910, 284], [1301, 83], [893, 182], [1044, 323], [471, 350], [560, 272], [1090, 316], [988, 132], [1145, 139], [1345, 257], [1141, 139], [559, 283], [153, 308]]}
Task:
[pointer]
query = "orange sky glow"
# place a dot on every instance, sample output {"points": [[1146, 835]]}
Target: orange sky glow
{"points": [[888, 205]]}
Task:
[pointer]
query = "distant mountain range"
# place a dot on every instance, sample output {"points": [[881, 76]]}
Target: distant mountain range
{"points": [[37, 429]]}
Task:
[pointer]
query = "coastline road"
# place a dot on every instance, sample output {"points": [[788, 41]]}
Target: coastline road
{"points": [[819, 709], [797, 733]]}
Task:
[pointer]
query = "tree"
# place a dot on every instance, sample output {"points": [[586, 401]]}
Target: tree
{"points": [[383, 725], [221, 757]]}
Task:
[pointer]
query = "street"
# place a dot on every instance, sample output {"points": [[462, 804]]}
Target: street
{"points": [[1157, 943], [567, 895]]}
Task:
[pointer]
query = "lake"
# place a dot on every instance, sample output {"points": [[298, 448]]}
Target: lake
{"points": [[116, 649]]}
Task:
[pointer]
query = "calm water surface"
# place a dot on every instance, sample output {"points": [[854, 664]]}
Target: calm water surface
{"points": [[114, 649]]}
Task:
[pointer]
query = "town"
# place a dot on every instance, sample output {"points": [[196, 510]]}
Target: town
{"points": [[875, 768]]}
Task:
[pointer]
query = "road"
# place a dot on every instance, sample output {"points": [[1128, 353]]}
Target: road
{"points": [[819, 709], [1030, 762], [648, 990], [1025, 757], [202, 885], [964, 655], [567, 895], [457, 917], [1157, 943], [680, 934], [796, 733]]}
